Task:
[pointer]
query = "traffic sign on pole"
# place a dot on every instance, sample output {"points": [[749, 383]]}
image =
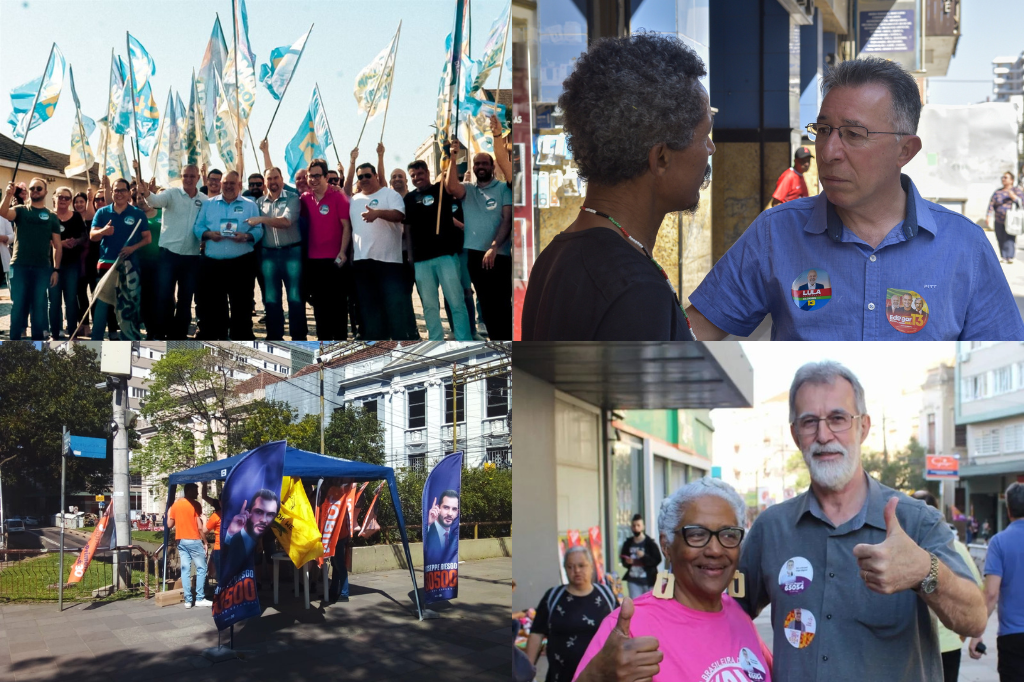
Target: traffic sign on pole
{"points": [[82, 446]]}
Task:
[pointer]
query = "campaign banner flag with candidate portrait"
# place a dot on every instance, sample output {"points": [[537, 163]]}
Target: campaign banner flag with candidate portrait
{"points": [[441, 502], [249, 504], [373, 83]]}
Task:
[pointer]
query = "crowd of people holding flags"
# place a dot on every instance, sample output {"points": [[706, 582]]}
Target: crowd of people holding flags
{"points": [[134, 256]]}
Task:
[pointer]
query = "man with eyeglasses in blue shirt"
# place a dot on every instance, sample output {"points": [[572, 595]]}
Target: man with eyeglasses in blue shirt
{"points": [[870, 233]]}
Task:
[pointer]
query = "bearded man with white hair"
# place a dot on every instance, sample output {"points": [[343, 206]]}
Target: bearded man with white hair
{"points": [[869, 560]]}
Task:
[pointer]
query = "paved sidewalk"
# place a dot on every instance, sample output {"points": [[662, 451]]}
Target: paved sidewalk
{"points": [[375, 636]]}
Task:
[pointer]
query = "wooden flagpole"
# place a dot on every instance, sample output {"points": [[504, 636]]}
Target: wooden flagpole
{"points": [[394, 62], [376, 92], [297, 60], [326, 120], [135, 118], [32, 112]]}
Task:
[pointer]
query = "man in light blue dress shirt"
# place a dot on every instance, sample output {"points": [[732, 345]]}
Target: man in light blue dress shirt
{"points": [[228, 270], [870, 235]]}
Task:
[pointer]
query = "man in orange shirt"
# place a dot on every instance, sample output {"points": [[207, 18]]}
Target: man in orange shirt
{"points": [[183, 518], [213, 526], [791, 183]]}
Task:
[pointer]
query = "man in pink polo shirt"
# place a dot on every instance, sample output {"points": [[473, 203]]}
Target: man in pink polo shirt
{"points": [[327, 213]]}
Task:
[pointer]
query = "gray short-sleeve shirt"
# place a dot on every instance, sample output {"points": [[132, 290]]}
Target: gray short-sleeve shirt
{"points": [[285, 206], [827, 624]]}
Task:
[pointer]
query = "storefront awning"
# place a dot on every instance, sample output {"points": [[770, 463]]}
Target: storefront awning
{"points": [[635, 375], [997, 469]]}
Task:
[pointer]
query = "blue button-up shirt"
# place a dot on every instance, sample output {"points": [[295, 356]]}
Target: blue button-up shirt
{"points": [[933, 277], [216, 213]]}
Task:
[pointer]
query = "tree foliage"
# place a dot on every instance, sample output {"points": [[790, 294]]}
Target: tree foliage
{"points": [[42, 390], [904, 470]]}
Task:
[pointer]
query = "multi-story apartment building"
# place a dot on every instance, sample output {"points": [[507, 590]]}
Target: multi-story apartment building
{"points": [[990, 404], [1007, 77], [409, 387]]}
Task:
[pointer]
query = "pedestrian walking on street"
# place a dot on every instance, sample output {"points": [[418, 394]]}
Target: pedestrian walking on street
{"points": [[1002, 200], [1004, 584], [949, 642], [791, 184], [569, 616], [640, 556]]}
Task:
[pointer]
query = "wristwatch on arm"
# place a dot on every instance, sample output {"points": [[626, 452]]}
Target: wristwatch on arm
{"points": [[931, 581]]}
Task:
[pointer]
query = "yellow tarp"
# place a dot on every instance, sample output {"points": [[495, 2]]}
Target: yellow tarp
{"points": [[295, 525]]}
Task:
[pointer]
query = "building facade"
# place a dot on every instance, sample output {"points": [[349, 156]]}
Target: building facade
{"points": [[990, 404], [409, 388], [1007, 77]]}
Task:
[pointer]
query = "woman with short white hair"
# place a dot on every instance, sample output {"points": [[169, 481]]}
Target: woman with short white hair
{"points": [[569, 615], [686, 629]]}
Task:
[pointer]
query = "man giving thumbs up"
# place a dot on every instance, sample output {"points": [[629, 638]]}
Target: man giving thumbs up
{"points": [[866, 560]]}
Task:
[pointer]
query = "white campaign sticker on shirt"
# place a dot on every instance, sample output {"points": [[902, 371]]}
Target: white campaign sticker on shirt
{"points": [[428, 200], [129, 221], [238, 209], [491, 203], [796, 575], [752, 666], [324, 210], [43, 215], [799, 627], [373, 203], [199, 203]]}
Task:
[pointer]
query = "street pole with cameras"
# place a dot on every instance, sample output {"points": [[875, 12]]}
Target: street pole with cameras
{"points": [[122, 526]]}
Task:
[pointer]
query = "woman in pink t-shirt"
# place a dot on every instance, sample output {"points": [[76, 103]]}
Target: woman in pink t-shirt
{"points": [[687, 629]]}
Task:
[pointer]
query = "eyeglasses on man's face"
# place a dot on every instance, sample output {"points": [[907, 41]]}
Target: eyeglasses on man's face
{"points": [[852, 136], [837, 423], [699, 536], [365, 176], [334, 181], [314, 176]]}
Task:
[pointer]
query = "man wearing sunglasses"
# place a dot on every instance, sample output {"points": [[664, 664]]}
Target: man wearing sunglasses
{"points": [[870, 231], [377, 213], [37, 236]]}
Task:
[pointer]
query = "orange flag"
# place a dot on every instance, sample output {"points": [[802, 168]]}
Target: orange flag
{"points": [[85, 556]]}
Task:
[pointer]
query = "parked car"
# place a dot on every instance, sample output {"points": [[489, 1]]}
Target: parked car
{"points": [[15, 525], [31, 521]]}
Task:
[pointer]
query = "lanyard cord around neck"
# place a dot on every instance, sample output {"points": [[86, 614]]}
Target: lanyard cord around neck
{"points": [[647, 253]]}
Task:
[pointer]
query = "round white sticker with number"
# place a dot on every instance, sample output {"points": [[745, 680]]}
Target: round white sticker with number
{"points": [[324, 210], [129, 220], [428, 200]]}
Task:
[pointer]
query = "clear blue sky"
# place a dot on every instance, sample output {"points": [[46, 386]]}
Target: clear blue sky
{"points": [[988, 29], [348, 34]]}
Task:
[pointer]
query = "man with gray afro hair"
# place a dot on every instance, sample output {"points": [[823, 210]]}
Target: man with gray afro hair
{"points": [[872, 229], [673, 507], [638, 122]]}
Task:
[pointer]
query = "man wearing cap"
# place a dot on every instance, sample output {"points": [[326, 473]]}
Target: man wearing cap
{"points": [[868, 233], [791, 183]]}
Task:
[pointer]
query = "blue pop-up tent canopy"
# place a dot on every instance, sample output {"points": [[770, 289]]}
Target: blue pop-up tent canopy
{"points": [[304, 465]]}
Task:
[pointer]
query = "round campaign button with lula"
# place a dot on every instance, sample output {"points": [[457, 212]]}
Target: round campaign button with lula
{"points": [[812, 289]]}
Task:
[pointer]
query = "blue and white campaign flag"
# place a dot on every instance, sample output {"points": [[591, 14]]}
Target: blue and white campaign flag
{"points": [[197, 145], [207, 79], [303, 148], [246, 70], [112, 147], [147, 117], [373, 83], [167, 162], [143, 65], [283, 60], [492, 52], [80, 158], [319, 116], [120, 100], [249, 504], [24, 95], [442, 493], [225, 129]]}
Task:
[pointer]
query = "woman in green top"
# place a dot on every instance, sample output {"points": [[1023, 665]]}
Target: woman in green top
{"points": [[37, 231]]}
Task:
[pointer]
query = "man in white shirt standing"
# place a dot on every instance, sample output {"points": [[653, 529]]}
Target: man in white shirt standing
{"points": [[179, 251], [377, 213]]}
